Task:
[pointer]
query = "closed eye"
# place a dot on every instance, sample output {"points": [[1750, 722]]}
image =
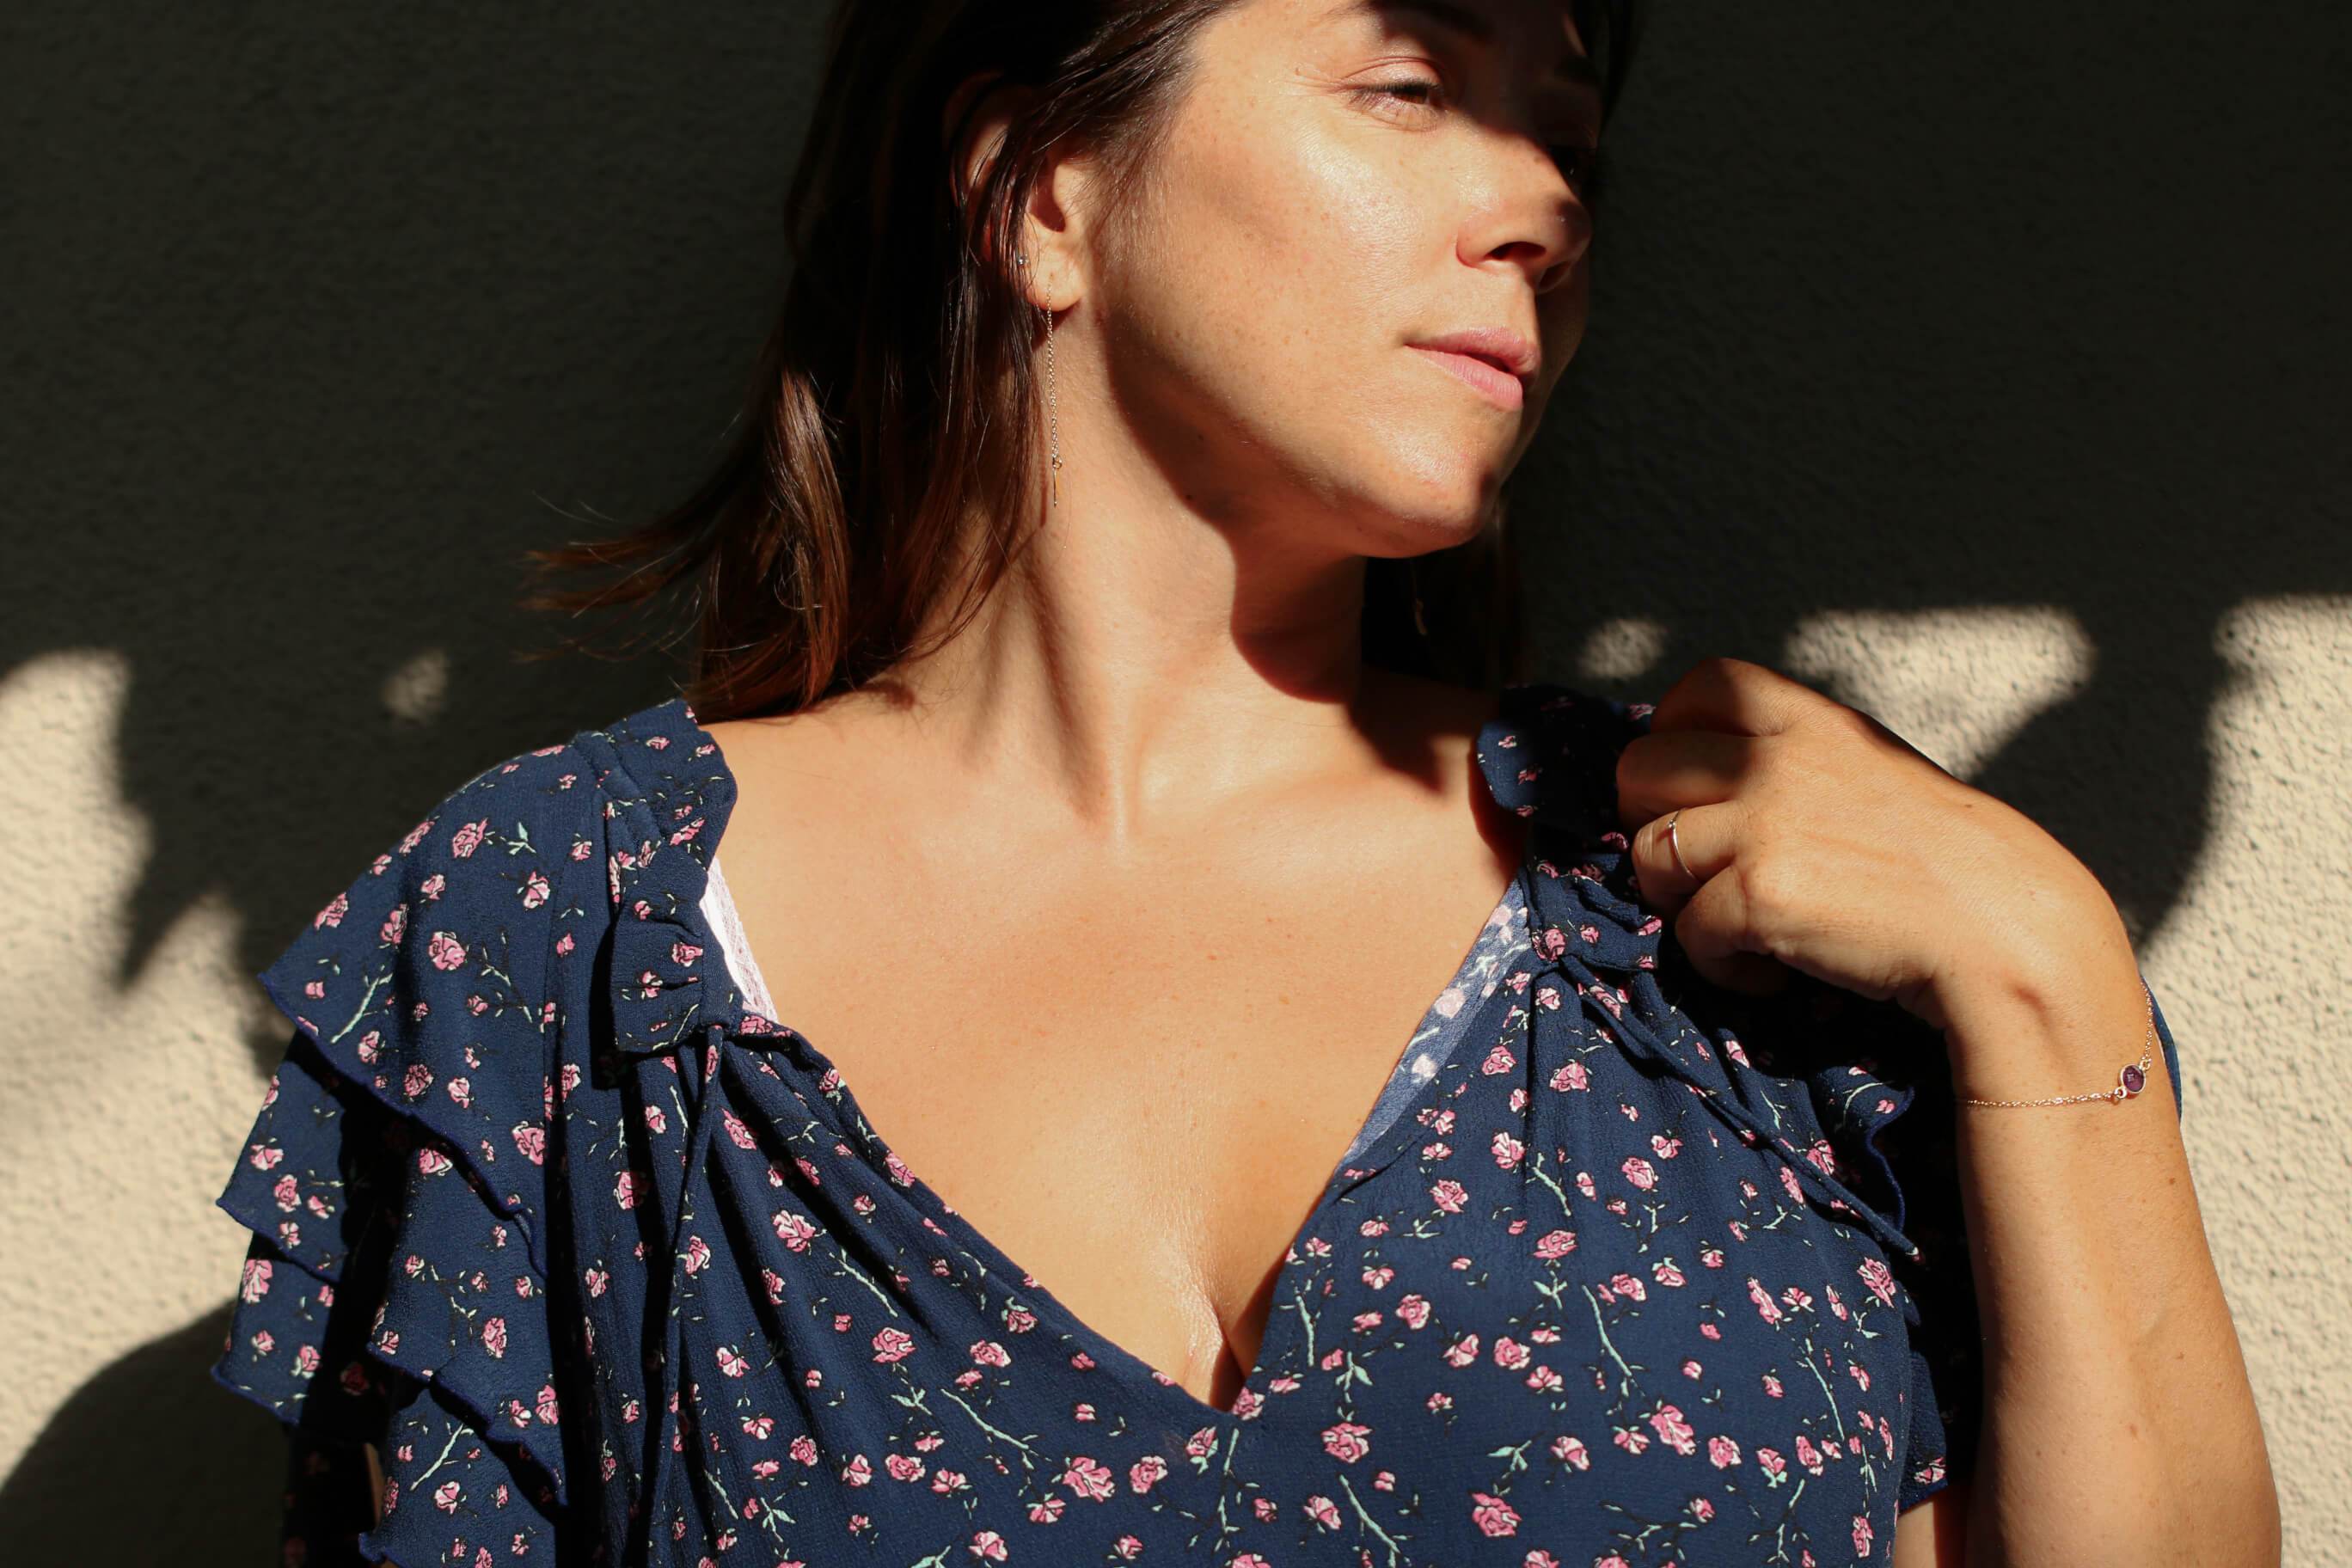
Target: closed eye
{"points": [[1575, 158]]}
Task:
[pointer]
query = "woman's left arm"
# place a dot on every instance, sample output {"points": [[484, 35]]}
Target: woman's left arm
{"points": [[2119, 1426]]}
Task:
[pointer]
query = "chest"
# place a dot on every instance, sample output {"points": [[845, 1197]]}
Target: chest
{"points": [[1138, 1108]]}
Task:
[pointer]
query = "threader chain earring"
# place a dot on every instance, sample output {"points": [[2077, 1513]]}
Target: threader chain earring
{"points": [[1052, 419]]}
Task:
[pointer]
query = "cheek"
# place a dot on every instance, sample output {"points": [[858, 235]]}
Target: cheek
{"points": [[1274, 247], [1259, 309]]}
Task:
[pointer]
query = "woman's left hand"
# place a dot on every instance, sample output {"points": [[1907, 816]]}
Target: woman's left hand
{"points": [[1819, 840]]}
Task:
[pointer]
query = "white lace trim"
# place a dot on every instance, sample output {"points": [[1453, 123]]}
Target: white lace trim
{"points": [[718, 910]]}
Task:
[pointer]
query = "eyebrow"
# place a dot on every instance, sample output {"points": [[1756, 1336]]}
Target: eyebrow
{"points": [[1577, 70]]}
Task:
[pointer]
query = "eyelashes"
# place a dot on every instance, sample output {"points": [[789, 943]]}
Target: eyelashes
{"points": [[1576, 159]]}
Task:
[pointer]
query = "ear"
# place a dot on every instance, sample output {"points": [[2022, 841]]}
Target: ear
{"points": [[973, 124]]}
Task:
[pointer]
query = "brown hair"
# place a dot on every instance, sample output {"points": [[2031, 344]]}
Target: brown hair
{"points": [[884, 411]]}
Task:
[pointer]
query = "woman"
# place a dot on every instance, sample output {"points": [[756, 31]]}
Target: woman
{"points": [[1107, 795]]}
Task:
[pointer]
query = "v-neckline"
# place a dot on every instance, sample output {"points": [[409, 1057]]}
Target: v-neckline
{"points": [[1023, 1284]]}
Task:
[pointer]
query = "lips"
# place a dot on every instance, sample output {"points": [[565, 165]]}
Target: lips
{"points": [[1489, 379], [1512, 352]]}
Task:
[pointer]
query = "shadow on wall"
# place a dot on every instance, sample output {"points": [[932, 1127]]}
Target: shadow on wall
{"points": [[150, 1462], [315, 323]]}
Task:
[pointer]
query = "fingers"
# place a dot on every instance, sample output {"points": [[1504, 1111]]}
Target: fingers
{"points": [[1735, 696], [1709, 930], [1656, 772], [1675, 854]]}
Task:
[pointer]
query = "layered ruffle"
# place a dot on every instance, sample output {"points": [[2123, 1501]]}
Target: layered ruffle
{"points": [[393, 1181]]}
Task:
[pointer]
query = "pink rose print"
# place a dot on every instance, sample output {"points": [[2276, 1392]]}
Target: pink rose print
{"points": [[1492, 1515], [448, 953], [1090, 1480], [1722, 1452], [1879, 1278], [468, 838], [1764, 1306], [1672, 1430], [1555, 1244], [893, 1345], [1639, 1171], [1348, 1441]]}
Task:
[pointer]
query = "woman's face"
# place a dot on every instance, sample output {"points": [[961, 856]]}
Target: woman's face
{"points": [[1344, 180]]}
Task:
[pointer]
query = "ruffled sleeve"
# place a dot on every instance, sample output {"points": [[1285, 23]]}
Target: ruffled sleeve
{"points": [[1945, 1396], [396, 1283]]}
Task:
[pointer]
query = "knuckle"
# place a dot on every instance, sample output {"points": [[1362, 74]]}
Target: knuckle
{"points": [[1769, 884]]}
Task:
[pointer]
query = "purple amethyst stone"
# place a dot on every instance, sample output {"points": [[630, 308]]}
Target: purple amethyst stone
{"points": [[2133, 1079]]}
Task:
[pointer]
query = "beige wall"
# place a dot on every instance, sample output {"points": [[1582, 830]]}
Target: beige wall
{"points": [[127, 1093]]}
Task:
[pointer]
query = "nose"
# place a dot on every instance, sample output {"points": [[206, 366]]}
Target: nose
{"points": [[1537, 222]]}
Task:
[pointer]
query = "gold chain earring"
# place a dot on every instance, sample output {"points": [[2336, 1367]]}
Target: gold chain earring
{"points": [[1053, 412]]}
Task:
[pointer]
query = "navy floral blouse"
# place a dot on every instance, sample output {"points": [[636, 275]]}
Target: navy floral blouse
{"points": [[1623, 1270]]}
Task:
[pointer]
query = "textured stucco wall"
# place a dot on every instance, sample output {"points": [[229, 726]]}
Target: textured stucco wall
{"points": [[1981, 368]]}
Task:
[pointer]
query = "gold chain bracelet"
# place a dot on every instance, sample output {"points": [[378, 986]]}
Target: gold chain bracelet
{"points": [[2128, 1082]]}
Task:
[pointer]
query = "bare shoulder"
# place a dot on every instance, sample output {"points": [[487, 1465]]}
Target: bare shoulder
{"points": [[787, 766]]}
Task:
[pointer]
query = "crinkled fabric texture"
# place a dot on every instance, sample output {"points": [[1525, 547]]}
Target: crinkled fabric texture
{"points": [[1622, 1269]]}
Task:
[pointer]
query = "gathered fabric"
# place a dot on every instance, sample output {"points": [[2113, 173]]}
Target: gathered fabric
{"points": [[1621, 1267]]}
